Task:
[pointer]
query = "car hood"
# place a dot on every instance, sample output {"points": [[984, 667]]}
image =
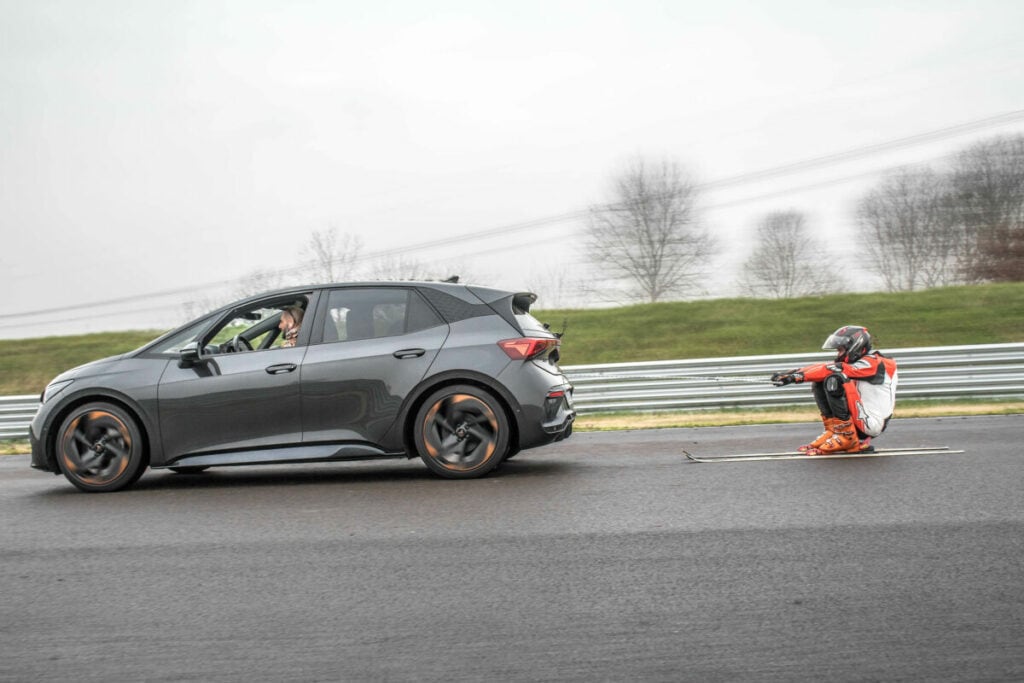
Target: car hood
{"points": [[95, 367]]}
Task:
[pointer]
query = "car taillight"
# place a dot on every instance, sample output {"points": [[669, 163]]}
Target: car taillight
{"points": [[526, 348]]}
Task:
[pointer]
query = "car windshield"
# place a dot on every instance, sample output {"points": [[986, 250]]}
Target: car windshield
{"points": [[174, 342]]}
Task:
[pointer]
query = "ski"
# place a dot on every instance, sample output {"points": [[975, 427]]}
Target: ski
{"points": [[796, 455]]}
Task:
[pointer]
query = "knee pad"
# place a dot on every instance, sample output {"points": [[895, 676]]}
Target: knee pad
{"points": [[834, 384]]}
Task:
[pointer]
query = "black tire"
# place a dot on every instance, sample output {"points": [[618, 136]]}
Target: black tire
{"points": [[100, 448], [461, 432], [195, 469]]}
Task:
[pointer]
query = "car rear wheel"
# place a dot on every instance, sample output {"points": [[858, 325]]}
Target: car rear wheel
{"points": [[461, 431], [99, 448]]}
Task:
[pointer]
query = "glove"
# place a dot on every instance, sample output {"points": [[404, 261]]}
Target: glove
{"points": [[781, 379]]}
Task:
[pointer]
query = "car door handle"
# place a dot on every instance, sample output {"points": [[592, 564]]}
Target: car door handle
{"points": [[281, 369], [409, 353]]}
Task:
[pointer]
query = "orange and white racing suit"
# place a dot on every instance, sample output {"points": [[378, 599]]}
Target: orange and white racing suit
{"points": [[868, 387]]}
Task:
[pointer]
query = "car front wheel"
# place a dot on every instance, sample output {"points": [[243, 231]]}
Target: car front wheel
{"points": [[99, 448], [461, 431]]}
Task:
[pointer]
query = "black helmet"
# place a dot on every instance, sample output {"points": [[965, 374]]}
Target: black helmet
{"points": [[851, 341]]}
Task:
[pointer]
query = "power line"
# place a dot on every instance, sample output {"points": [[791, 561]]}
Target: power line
{"points": [[741, 179], [868, 150], [80, 318], [394, 251]]}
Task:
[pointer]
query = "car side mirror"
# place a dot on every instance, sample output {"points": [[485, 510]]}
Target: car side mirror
{"points": [[189, 355]]}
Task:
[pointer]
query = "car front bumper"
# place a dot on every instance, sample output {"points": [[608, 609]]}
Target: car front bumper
{"points": [[37, 440]]}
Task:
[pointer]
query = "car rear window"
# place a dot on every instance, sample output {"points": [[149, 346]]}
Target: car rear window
{"points": [[521, 310], [527, 322]]}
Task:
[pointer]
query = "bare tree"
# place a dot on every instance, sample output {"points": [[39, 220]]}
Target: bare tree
{"points": [[557, 287], [255, 282], [988, 197], [333, 255], [910, 233], [398, 268], [404, 268], [786, 262], [649, 235], [333, 258]]}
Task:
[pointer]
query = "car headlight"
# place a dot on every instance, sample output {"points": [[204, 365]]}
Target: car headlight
{"points": [[54, 388]]}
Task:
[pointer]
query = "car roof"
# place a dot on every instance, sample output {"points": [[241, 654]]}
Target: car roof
{"points": [[472, 294], [464, 291]]}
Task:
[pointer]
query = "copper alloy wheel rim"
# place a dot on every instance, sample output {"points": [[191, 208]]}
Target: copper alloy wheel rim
{"points": [[460, 432], [96, 447]]}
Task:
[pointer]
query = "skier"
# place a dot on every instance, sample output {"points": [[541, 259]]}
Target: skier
{"points": [[856, 393]]}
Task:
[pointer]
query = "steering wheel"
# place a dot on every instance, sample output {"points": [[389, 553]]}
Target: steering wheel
{"points": [[239, 343]]}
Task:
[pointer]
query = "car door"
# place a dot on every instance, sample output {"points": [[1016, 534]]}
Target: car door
{"points": [[371, 346], [234, 400]]}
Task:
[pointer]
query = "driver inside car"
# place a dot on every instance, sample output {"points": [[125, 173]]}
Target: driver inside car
{"points": [[291, 321]]}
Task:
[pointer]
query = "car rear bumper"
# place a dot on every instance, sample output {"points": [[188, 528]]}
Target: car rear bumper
{"points": [[546, 407], [559, 412], [562, 430], [540, 432]]}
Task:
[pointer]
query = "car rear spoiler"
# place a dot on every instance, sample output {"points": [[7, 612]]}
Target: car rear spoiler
{"points": [[506, 304], [523, 301]]}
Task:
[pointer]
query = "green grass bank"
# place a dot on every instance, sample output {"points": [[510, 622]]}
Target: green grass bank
{"points": [[984, 314], [720, 327]]}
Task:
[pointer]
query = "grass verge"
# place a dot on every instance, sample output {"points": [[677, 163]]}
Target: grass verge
{"points": [[904, 409], [15, 447]]}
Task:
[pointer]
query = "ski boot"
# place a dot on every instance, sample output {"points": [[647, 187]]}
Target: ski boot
{"points": [[828, 422], [844, 439]]}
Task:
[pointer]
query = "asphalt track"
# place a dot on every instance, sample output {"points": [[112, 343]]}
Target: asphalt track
{"points": [[607, 557]]}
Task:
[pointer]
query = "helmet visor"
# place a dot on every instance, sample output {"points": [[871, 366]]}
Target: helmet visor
{"points": [[836, 341]]}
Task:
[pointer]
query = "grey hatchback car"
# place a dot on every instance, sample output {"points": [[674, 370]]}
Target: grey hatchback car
{"points": [[462, 376]]}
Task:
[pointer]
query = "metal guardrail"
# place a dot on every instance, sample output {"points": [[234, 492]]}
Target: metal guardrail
{"points": [[15, 414], [989, 371]]}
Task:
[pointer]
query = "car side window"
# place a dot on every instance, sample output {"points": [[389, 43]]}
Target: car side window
{"points": [[372, 313], [258, 327]]}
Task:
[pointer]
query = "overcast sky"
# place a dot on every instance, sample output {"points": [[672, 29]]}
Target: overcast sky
{"points": [[147, 147]]}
